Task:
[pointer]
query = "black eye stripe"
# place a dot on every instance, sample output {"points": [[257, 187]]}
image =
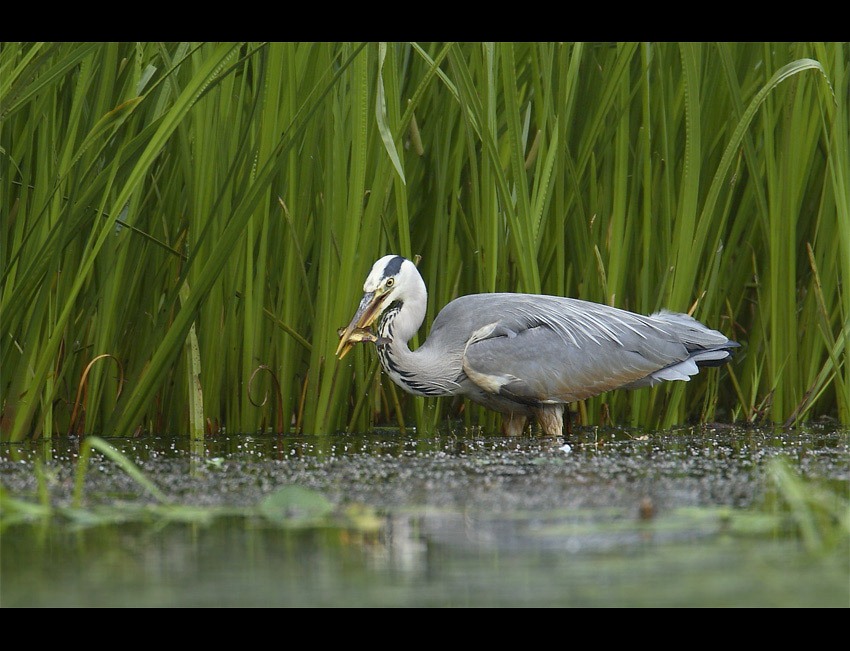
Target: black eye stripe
{"points": [[393, 266]]}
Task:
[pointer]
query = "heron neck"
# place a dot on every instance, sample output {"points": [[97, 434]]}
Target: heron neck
{"points": [[402, 321], [414, 371]]}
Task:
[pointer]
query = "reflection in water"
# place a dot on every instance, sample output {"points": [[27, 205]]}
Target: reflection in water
{"points": [[621, 519], [236, 562]]}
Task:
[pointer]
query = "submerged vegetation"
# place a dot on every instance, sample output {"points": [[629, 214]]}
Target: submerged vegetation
{"points": [[185, 226], [786, 504]]}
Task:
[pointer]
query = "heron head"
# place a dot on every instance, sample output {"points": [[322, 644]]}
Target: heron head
{"points": [[392, 278]]}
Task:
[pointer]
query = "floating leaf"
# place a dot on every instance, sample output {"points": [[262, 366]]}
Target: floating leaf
{"points": [[295, 503]]}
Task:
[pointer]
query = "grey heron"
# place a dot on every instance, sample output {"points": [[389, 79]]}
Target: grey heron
{"points": [[523, 354]]}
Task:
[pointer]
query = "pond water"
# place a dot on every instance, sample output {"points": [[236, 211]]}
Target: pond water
{"points": [[691, 517]]}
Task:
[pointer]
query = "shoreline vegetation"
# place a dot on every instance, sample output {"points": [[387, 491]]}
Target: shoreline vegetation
{"points": [[185, 226]]}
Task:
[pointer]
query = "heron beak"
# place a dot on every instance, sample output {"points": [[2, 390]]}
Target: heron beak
{"points": [[367, 312]]}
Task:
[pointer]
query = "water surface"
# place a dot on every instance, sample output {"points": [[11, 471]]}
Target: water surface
{"points": [[691, 517]]}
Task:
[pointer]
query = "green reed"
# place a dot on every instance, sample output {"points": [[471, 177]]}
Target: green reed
{"points": [[205, 214]]}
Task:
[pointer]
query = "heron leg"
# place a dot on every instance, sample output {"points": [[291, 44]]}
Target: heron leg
{"points": [[551, 418], [513, 424]]}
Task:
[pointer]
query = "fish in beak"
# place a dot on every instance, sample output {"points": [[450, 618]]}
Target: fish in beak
{"points": [[358, 330]]}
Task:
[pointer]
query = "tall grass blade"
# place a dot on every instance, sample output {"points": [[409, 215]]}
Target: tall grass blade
{"points": [[201, 210]]}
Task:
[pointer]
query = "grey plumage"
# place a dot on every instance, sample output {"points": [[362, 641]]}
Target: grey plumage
{"points": [[526, 354]]}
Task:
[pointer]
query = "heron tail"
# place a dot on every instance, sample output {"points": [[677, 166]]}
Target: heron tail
{"points": [[706, 347]]}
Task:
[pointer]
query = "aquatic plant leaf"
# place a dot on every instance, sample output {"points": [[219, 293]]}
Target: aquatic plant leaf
{"points": [[295, 503]]}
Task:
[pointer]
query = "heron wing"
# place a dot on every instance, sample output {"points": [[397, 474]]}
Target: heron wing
{"points": [[544, 349]]}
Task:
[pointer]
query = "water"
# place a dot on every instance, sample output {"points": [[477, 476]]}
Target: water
{"points": [[684, 518]]}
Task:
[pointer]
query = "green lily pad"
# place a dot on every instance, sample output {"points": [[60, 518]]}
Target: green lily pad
{"points": [[295, 503]]}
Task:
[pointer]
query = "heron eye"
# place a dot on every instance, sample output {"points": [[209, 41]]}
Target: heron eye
{"points": [[390, 282]]}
